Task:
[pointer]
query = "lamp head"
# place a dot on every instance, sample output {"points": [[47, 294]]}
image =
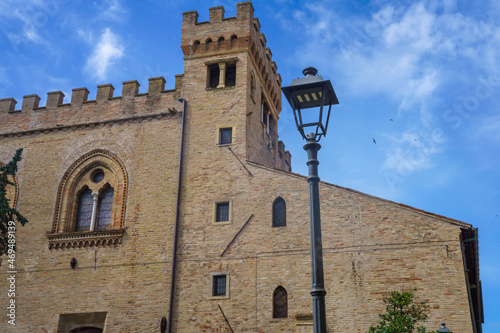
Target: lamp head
{"points": [[311, 92]]}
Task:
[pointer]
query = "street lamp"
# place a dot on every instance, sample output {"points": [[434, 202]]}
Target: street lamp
{"points": [[313, 93], [443, 328]]}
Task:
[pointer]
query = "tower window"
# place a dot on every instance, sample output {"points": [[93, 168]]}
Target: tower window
{"points": [[221, 74], [230, 75], [213, 75]]}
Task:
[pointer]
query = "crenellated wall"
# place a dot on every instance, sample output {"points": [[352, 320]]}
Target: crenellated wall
{"points": [[56, 115]]}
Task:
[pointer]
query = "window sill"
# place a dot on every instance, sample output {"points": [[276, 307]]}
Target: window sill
{"points": [[218, 297], [220, 89], [221, 222], [83, 239]]}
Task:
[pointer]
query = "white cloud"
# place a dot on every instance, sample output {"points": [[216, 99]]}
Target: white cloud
{"points": [[107, 51], [112, 10], [411, 151]]}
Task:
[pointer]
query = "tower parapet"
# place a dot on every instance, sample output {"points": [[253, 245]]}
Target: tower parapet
{"points": [[225, 36]]}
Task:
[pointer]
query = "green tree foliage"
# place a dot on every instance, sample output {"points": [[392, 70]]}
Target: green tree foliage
{"points": [[8, 214], [401, 314]]}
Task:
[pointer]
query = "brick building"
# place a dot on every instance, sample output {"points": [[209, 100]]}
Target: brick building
{"points": [[180, 204]]}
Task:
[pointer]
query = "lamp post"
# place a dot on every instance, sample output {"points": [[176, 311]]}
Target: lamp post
{"points": [[313, 93], [443, 328]]}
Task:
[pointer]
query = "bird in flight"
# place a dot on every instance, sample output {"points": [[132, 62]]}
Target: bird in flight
{"points": [[375, 142]]}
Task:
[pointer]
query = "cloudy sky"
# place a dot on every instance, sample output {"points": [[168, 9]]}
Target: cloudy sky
{"points": [[420, 78]]}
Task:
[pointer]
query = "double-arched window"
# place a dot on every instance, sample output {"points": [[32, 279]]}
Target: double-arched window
{"points": [[91, 198]]}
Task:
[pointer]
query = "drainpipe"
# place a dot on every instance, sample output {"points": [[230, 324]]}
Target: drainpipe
{"points": [[174, 250]]}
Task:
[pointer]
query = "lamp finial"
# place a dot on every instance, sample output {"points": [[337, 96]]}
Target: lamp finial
{"points": [[310, 71]]}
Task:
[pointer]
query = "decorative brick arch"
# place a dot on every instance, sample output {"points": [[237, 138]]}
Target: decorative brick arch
{"points": [[79, 177]]}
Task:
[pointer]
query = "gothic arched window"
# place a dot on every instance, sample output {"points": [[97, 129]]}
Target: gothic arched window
{"points": [[279, 212], [91, 200], [280, 303]]}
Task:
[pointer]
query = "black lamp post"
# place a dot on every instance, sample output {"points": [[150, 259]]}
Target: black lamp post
{"points": [[313, 93], [443, 328]]}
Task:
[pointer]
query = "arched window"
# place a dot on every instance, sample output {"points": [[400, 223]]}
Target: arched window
{"points": [[280, 303], [279, 212], [87, 330], [196, 46], [234, 41], [209, 45], [91, 201], [220, 44]]}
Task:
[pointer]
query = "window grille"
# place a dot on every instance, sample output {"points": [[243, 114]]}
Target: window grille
{"points": [[279, 213], [219, 285], [222, 213], [280, 303]]}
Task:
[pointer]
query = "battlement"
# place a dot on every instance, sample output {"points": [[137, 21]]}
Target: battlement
{"points": [[226, 36], [79, 96], [81, 111]]}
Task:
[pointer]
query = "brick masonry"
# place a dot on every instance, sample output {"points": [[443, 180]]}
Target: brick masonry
{"points": [[371, 246]]}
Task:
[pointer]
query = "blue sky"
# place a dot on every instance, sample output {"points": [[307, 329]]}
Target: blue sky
{"points": [[422, 78]]}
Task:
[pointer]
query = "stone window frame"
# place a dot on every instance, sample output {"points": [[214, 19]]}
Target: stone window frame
{"points": [[217, 134], [211, 286], [223, 65], [214, 217], [76, 179]]}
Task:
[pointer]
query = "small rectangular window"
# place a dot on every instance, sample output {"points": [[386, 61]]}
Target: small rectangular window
{"points": [[225, 136], [222, 212], [219, 285]]}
